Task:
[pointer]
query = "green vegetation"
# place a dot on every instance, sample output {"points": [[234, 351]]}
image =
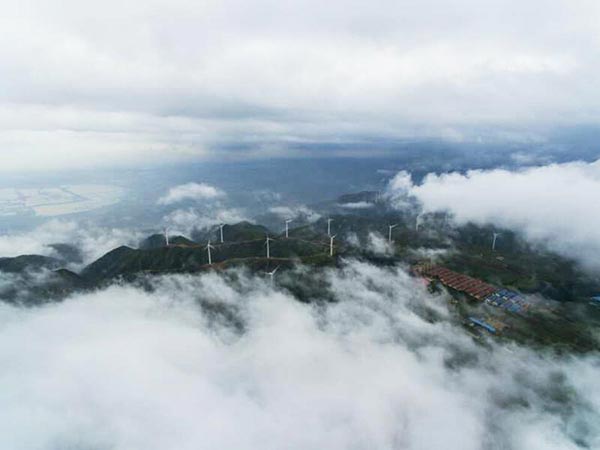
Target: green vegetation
{"points": [[518, 265], [514, 264], [244, 245], [28, 262]]}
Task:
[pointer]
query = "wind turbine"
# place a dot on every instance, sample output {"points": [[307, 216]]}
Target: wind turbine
{"points": [[287, 229], [166, 233], [494, 241], [221, 229], [208, 248], [390, 228], [331, 238], [329, 227], [272, 273], [268, 247]]}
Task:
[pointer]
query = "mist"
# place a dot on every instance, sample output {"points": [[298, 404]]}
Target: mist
{"points": [[227, 361], [190, 191], [89, 239], [552, 205]]}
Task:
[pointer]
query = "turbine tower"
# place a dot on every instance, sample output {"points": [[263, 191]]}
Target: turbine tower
{"points": [[331, 238], [166, 233], [268, 247], [221, 229], [287, 228], [494, 241], [329, 227], [272, 273], [208, 248], [390, 228]]}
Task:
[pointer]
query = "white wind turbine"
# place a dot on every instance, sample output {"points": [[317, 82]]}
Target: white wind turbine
{"points": [[331, 238], [268, 247], [390, 228], [287, 227], [166, 233], [208, 248], [272, 273], [329, 227], [221, 229], [494, 240]]}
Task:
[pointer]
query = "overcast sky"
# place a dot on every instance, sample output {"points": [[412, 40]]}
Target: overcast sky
{"points": [[88, 83]]}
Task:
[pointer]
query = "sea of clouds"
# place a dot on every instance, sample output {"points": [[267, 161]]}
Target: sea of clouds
{"points": [[228, 361]]}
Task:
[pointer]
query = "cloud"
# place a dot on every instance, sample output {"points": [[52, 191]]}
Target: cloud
{"points": [[398, 190], [431, 254], [378, 244], [343, 72], [301, 212], [185, 221], [190, 191], [380, 367], [93, 241], [356, 205], [213, 211], [551, 204], [352, 239]]}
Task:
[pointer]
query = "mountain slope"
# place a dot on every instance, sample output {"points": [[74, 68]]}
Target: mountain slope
{"points": [[28, 262]]}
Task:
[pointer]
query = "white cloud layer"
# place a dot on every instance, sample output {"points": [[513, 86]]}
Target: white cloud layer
{"points": [[301, 212], [209, 211], [185, 221], [106, 83], [378, 244], [190, 191], [357, 205], [126, 369], [553, 204], [91, 240]]}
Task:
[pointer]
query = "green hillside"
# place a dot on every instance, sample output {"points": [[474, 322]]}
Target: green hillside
{"points": [[28, 262], [192, 257]]}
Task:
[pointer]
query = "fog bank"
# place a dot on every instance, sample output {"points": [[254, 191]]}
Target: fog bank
{"points": [[200, 362]]}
